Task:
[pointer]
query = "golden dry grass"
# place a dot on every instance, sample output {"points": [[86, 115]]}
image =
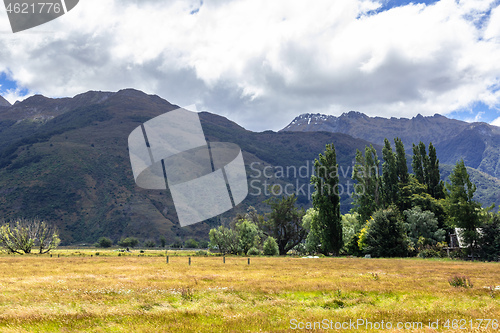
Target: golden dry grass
{"points": [[107, 293]]}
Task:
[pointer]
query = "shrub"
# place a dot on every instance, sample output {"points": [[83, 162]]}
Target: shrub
{"points": [[128, 242], [300, 249], [435, 251], [489, 241], [253, 251], [422, 227], [191, 244], [460, 281], [201, 253], [384, 235], [104, 242], [149, 243], [177, 244], [270, 247], [203, 244], [163, 241]]}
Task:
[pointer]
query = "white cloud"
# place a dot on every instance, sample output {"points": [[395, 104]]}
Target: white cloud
{"points": [[496, 122], [262, 63]]}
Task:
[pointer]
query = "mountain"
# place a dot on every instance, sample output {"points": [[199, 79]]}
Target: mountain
{"points": [[4, 103], [477, 143], [66, 160]]}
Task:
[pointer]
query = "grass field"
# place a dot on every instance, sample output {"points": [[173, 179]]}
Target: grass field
{"points": [[108, 293]]}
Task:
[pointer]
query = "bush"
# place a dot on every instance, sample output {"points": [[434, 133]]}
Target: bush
{"points": [[191, 244], [104, 242], [270, 247], [435, 251], [489, 241], [422, 228], [384, 235], [300, 249], [177, 244], [128, 242], [163, 241], [201, 253], [253, 251], [203, 244], [460, 281], [149, 243]]}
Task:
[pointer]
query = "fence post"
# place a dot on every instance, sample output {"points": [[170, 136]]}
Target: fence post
{"points": [[167, 259], [224, 259], [189, 261], [249, 261]]}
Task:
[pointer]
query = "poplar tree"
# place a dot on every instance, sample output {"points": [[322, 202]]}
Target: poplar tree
{"points": [[389, 175], [326, 200], [435, 184], [463, 210], [367, 196]]}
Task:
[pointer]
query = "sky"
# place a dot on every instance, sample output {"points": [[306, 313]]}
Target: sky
{"points": [[261, 63]]}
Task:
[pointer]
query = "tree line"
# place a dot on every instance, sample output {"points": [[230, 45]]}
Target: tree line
{"points": [[395, 213]]}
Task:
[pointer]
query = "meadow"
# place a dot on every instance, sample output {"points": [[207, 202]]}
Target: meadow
{"points": [[73, 291]]}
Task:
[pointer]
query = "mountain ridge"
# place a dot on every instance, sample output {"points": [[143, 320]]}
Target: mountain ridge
{"points": [[66, 161], [477, 143]]}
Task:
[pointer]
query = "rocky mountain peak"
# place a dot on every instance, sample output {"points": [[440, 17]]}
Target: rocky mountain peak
{"points": [[4, 102]]}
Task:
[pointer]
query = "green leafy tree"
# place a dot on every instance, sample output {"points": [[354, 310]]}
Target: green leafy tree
{"points": [[163, 241], [104, 242], [401, 166], [389, 175], [224, 239], [367, 194], [489, 239], [248, 235], [270, 247], [284, 223], [463, 211], [435, 184], [351, 229], [149, 243], [384, 235], [418, 162], [191, 244], [326, 200], [421, 198], [422, 227], [403, 200], [310, 224], [128, 242], [426, 170]]}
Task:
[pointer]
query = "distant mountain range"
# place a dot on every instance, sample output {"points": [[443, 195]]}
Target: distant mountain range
{"points": [[66, 160], [477, 143]]}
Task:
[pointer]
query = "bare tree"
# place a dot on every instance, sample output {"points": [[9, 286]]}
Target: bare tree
{"points": [[21, 235]]}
